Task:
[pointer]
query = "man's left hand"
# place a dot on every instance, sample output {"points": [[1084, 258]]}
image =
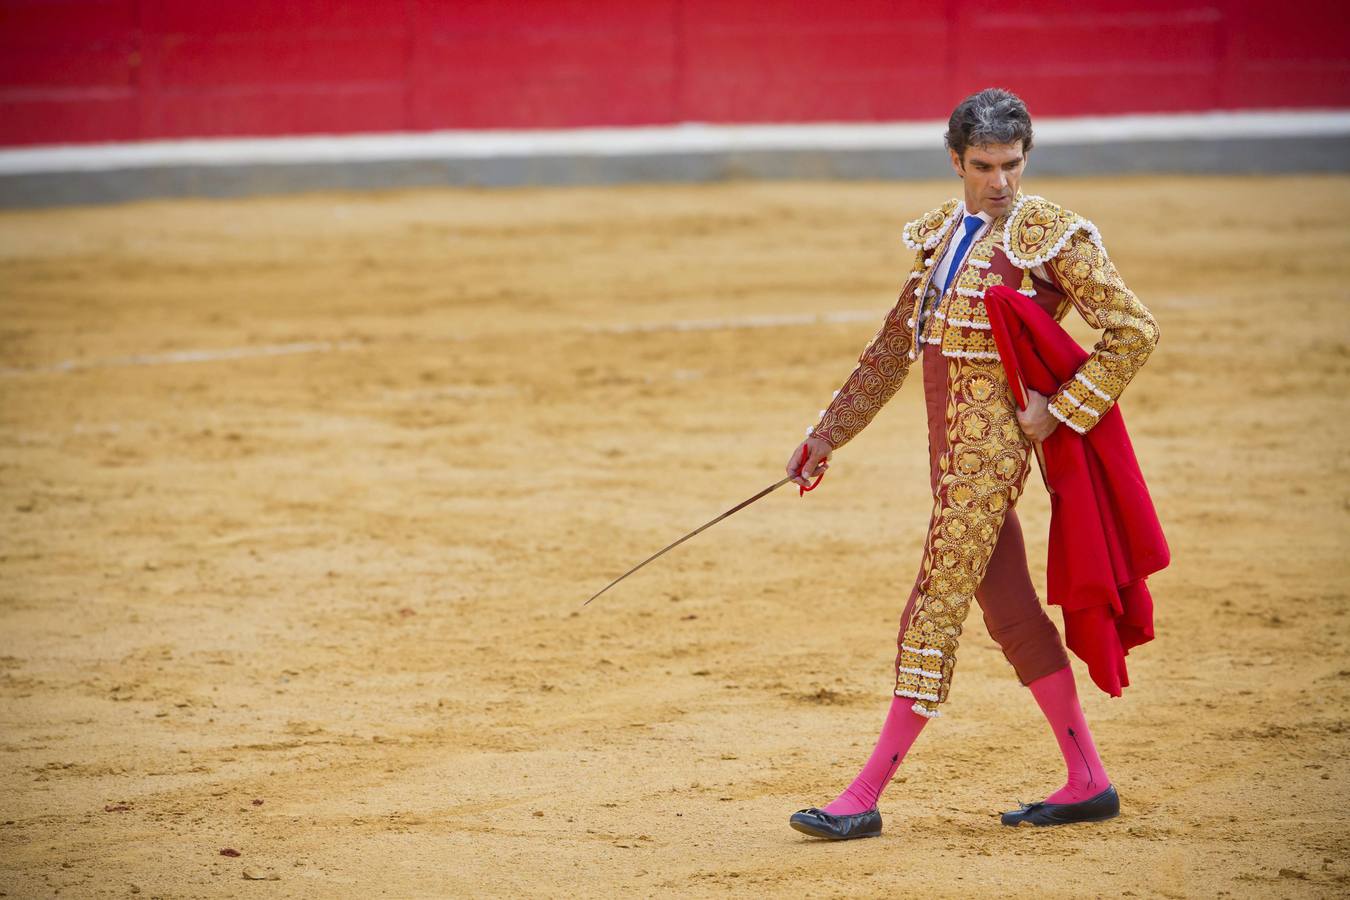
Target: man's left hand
{"points": [[1036, 421]]}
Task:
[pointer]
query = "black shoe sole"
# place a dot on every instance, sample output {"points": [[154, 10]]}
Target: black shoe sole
{"points": [[829, 835], [1100, 808], [1053, 824]]}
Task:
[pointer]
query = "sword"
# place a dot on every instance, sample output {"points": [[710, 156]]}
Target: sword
{"points": [[704, 527]]}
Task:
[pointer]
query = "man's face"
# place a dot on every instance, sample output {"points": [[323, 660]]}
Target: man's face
{"points": [[991, 173]]}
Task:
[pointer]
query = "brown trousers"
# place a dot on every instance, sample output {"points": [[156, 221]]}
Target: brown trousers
{"points": [[1012, 611]]}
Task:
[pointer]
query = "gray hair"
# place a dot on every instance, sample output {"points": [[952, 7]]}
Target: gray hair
{"points": [[992, 116]]}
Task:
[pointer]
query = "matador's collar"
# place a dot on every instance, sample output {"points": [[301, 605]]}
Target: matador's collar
{"points": [[1034, 230]]}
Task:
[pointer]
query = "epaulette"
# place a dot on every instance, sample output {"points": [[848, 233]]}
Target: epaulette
{"points": [[925, 232], [1036, 230]]}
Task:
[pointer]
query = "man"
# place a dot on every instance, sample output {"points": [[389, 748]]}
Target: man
{"points": [[980, 444]]}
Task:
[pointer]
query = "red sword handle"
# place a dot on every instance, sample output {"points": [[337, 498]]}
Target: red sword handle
{"points": [[801, 491]]}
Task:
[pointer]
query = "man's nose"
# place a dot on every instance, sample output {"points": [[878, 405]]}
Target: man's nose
{"points": [[1001, 179]]}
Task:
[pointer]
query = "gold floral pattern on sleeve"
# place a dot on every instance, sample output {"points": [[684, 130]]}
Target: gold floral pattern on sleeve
{"points": [[1129, 331], [881, 370]]}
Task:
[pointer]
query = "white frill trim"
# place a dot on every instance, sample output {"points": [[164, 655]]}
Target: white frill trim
{"points": [[917, 695], [926, 713], [928, 262], [921, 672], [1059, 415], [932, 240], [1030, 293], [1050, 254], [970, 292], [971, 354], [932, 339], [1092, 387], [922, 651], [909, 323], [979, 263], [967, 323]]}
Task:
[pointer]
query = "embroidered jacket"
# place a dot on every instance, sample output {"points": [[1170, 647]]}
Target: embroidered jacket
{"points": [[1035, 237]]}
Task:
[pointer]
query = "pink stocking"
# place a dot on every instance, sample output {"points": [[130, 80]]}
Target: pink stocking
{"points": [[1058, 699], [897, 734]]}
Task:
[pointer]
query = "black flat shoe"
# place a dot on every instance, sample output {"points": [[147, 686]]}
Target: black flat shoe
{"points": [[819, 823], [1105, 805]]}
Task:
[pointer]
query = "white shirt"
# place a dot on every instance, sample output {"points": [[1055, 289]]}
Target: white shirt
{"points": [[949, 258]]}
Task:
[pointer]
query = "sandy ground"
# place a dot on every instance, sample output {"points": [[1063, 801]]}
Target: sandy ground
{"points": [[300, 498]]}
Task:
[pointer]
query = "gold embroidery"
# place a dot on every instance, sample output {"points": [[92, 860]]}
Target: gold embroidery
{"points": [[928, 229], [962, 320], [1129, 332], [983, 470], [981, 475], [927, 328], [881, 369], [968, 342], [1037, 230]]}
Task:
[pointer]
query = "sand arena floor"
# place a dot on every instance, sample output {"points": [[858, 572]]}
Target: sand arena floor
{"points": [[301, 497]]}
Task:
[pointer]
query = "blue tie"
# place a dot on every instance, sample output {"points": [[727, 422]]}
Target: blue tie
{"points": [[972, 225]]}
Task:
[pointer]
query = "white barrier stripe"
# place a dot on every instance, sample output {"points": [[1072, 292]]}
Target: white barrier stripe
{"points": [[651, 140]]}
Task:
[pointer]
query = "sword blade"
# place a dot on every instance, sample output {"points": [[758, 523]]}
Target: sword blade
{"points": [[737, 508]]}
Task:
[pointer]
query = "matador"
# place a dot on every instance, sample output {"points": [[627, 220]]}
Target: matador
{"points": [[981, 446]]}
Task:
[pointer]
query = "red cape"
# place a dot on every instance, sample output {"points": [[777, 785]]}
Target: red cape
{"points": [[1105, 537]]}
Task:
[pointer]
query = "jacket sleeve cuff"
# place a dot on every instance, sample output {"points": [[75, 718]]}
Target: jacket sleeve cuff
{"points": [[815, 432], [1079, 404], [1073, 421]]}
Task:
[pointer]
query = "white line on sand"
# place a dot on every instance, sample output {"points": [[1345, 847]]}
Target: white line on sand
{"points": [[737, 322], [184, 356], [685, 138], [176, 357]]}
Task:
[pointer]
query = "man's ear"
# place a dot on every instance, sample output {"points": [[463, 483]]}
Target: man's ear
{"points": [[957, 166]]}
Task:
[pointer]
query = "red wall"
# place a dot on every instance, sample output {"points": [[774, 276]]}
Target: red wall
{"points": [[100, 70]]}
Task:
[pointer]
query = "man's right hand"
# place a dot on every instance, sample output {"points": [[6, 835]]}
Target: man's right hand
{"points": [[817, 461]]}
